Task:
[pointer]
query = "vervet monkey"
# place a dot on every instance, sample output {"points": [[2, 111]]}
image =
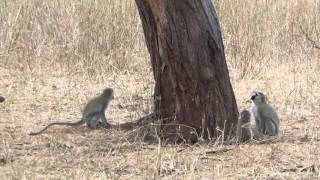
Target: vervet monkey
{"points": [[243, 132], [266, 118], [93, 114], [1, 99]]}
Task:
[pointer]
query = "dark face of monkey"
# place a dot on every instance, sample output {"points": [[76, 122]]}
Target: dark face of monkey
{"points": [[258, 98]]}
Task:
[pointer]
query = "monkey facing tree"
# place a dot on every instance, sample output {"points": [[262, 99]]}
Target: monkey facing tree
{"points": [[93, 114]]}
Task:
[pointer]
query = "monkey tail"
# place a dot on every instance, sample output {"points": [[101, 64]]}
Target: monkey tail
{"points": [[76, 123]]}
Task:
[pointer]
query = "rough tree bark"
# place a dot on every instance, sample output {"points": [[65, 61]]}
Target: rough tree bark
{"points": [[192, 84]]}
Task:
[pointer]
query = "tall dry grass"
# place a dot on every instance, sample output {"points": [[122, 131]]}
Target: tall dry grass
{"points": [[97, 37], [258, 33], [54, 55], [91, 37]]}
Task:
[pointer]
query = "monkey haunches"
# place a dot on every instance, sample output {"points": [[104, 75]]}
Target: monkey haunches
{"points": [[266, 120]]}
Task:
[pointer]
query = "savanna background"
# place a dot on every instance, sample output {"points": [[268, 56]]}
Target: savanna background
{"points": [[55, 55]]}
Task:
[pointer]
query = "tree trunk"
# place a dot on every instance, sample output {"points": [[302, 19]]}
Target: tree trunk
{"points": [[193, 94]]}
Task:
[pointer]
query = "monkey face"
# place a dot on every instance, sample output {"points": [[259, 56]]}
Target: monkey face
{"points": [[244, 116], [258, 98], [112, 95], [254, 95]]}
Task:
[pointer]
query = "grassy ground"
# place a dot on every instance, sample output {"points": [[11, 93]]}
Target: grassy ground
{"points": [[55, 55]]}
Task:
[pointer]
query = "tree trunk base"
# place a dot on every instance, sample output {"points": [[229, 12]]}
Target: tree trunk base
{"points": [[151, 129]]}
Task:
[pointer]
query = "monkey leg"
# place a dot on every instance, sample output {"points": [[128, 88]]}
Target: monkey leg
{"points": [[102, 124], [271, 128]]}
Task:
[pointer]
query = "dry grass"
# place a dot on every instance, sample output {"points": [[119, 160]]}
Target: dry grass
{"points": [[54, 55]]}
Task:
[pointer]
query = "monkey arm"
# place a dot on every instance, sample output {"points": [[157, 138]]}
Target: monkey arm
{"points": [[96, 120], [104, 120], [268, 112]]}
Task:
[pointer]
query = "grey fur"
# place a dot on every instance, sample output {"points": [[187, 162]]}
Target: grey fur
{"points": [[266, 118], [243, 134], [93, 114]]}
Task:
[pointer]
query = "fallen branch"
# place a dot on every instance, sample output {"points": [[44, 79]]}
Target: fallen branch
{"points": [[148, 119]]}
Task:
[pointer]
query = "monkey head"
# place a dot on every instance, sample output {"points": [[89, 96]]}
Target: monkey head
{"points": [[245, 116], [258, 98], [108, 93]]}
